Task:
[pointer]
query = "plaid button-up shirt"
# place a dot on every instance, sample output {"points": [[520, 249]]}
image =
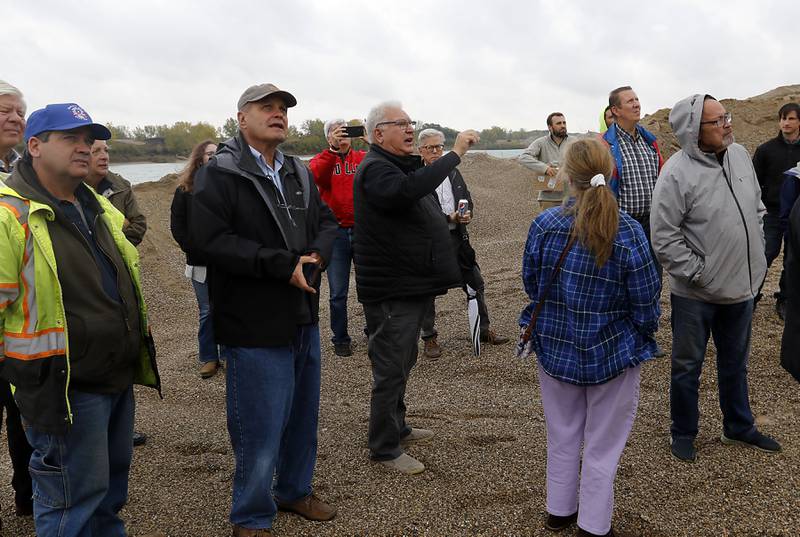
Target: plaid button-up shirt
{"points": [[638, 174], [595, 322], [12, 157]]}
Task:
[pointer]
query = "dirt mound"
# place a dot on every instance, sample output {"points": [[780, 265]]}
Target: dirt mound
{"points": [[755, 120]]}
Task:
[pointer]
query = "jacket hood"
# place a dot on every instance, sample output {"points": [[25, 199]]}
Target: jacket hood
{"points": [[685, 120], [231, 146], [118, 184], [603, 126], [25, 182]]}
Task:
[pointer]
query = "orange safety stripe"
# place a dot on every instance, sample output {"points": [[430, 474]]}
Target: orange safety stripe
{"points": [[32, 335], [37, 356]]}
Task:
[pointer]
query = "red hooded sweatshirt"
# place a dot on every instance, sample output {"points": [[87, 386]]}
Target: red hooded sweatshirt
{"points": [[334, 174]]}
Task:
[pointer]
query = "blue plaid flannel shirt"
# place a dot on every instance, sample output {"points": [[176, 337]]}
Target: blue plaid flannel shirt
{"points": [[595, 321]]}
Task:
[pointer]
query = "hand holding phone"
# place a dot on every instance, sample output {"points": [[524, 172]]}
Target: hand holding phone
{"points": [[354, 131]]}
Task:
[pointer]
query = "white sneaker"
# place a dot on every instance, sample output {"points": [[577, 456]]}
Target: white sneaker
{"points": [[416, 436], [405, 464]]}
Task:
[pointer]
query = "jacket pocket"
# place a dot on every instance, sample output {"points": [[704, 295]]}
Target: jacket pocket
{"points": [[26, 373]]}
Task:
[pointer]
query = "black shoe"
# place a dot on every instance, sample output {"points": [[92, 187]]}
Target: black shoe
{"points": [[683, 449], [139, 439], [780, 308], [583, 533], [755, 440], [660, 353], [23, 507], [558, 523], [343, 349]]}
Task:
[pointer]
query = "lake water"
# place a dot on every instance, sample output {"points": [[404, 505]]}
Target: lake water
{"points": [[140, 172]]}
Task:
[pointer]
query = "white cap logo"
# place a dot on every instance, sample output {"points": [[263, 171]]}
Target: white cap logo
{"points": [[78, 112]]}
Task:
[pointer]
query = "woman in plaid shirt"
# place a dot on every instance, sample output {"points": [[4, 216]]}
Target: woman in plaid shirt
{"points": [[595, 327]]}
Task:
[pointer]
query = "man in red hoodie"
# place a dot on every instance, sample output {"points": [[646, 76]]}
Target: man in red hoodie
{"points": [[334, 170]]}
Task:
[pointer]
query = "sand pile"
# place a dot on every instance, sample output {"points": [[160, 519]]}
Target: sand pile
{"points": [[755, 120]]}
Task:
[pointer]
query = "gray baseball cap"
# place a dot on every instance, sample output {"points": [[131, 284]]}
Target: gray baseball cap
{"points": [[260, 91]]}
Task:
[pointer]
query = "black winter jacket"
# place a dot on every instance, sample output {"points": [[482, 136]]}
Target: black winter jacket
{"points": [[790, 356], [401, 242], [252, 242], [771, 160], [180, 214]]}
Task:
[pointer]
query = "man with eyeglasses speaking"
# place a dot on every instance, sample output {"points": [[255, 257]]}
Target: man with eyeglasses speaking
{"points": [[403, 257], [449, 193], [706, 221]]}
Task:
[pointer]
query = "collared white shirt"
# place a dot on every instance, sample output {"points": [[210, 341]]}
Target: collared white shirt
{"points": [[445, 194], [274, 175]]}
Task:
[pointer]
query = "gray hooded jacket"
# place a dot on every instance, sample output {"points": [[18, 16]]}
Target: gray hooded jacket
{"points": [[706, 218]]}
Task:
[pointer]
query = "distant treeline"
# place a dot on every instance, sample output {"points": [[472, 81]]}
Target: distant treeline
{"points": [[164, 142]]}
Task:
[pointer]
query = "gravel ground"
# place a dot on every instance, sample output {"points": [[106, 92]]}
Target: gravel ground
{"points": [[486, 465]]}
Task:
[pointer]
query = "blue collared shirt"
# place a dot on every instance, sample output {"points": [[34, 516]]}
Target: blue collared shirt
{"points": [[274, 175], [596, 321]]}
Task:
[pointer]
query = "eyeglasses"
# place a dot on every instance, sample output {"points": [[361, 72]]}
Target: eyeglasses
{"points": [[433, 148], [721, 121], [402, 123]]}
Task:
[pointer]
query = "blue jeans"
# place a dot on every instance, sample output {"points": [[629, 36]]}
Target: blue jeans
{"points": [[80, 479], [339, 283], [775, 235], [730, 326], [273, 409], [206, 344]]}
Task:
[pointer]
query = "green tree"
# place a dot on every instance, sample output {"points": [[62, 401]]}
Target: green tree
{"points": [[449, 134], [230, 128], [149, 131], [119, 131], [313, 127], [181, 137]]}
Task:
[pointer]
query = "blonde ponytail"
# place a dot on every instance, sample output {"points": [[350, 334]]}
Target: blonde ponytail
{"points": [[588, 165]]}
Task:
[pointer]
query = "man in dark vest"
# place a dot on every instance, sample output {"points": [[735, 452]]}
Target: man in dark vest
{"points": [[403, 257]]}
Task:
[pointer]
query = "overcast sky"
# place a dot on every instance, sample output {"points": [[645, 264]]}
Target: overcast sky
{"points": [[463, 64]]}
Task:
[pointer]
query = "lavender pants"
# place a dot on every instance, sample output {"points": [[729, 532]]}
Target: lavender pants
{"points": [[600, 418]]}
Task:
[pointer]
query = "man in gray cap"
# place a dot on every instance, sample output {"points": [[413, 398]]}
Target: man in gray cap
{"points": [[257, 214]]}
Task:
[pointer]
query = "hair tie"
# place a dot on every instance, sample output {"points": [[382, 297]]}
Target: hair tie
{"points": [[598, 180]]}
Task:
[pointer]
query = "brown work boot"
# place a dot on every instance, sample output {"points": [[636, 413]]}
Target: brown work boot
{"points": [[239, 531], [493, 339], [209, 369], [309, 507], [432, 349]]}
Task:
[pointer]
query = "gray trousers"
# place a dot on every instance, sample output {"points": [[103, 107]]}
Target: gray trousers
{"points": [[393, 327], [470, 277]]}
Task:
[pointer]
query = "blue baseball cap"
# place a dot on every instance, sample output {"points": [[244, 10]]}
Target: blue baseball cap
{"points": [[63, 117]]}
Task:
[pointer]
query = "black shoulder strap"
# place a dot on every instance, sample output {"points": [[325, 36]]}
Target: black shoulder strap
{"points": [[528, 331]]}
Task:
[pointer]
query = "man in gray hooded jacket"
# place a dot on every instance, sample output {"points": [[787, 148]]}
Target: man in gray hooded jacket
{"points": [[706, 222]]}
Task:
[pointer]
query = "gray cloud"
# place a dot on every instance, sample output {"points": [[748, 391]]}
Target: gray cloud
{"points": [[462, 64]]}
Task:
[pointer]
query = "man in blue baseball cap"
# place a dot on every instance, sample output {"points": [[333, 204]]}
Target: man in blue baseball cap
{"points": [[73, 327]]}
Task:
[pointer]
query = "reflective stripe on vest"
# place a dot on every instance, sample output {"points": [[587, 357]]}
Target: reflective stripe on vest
{"points": [[29, 344]]}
